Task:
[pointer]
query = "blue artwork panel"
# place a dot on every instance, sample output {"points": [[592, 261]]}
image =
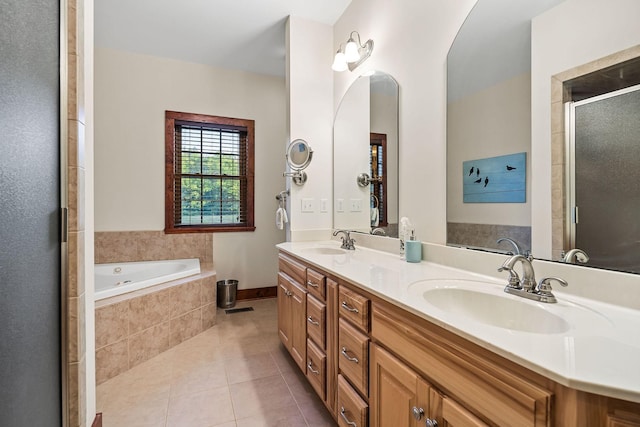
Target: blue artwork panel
{"points": [[499, 179]]}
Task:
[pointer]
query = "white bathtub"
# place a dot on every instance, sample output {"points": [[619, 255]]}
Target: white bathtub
{"points": [[119, 278]]}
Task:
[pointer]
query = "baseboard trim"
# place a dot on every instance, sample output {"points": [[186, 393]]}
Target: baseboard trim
{"points": [[97, 421], [257, 293]]}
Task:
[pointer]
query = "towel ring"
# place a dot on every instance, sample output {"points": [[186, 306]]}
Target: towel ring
{"points": [[375, 199]]}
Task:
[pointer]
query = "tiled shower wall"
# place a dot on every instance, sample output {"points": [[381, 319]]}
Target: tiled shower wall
{"points": [[127, 246], [75, 315]]}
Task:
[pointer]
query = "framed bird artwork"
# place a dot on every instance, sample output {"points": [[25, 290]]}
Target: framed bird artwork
{"points": [[501, 179]]}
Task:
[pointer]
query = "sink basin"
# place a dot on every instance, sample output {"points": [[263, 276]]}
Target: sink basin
{"points": [[322, 250], [487, 303]]}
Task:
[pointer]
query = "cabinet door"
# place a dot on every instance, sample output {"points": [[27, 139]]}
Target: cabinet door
{"points": [[298, 303], [284, 311], [399, 397], [449, 413]]}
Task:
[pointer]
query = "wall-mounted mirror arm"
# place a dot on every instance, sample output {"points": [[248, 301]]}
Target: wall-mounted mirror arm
{"points": [[298, 177]]}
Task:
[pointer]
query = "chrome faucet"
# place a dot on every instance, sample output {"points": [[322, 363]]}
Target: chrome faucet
{"points": [[516, 248], [347, 242], [528, 281], [526, 287], [575, 256]]}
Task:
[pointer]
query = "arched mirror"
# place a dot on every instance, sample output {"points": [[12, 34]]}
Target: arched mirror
{"points": [[298, 156], [365, 142], [512, 72]]}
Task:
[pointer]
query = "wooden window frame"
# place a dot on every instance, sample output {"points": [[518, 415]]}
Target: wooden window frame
{"points": [[380, 139], [170, 172]]}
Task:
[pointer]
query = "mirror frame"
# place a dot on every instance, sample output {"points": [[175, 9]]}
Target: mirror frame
{"points": [[303, 165]]}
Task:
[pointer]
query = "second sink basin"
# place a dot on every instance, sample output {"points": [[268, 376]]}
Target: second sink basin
{"points": [[496, 310], [486, 303], [324, 250]]}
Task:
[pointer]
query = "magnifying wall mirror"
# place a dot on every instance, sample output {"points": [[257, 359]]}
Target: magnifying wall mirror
{"points": [[298, 156]]}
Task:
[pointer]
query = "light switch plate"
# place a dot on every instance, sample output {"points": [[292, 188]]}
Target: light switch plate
{"points": [[323, 205], [356, 205], [339, 205]]}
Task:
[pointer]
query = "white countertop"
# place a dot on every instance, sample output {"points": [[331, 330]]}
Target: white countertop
{"points": [[599, 353]]}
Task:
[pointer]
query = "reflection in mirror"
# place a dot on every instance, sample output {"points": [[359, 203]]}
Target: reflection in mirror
{"points": [[508, 80], [488, 116], [365, 140]]}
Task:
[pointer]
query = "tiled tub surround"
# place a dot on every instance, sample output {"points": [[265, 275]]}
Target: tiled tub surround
{"points": [[487, 235], [134, 327], [125, 246]]}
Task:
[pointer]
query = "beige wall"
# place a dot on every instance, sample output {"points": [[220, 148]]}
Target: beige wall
{"points": [[131, 94], [495, 121]]}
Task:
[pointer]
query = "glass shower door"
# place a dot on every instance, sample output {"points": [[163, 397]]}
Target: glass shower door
{"points": [[605, 183]]}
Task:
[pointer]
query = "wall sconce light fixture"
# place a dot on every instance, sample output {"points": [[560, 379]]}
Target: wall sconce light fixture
{"points": [[354, 54]]}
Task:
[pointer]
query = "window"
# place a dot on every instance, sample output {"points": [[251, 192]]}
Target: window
{"points": [[209, 173], [378, 186]]}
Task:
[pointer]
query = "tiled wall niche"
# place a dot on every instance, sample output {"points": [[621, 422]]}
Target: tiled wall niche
{"points": [[133, 328]]}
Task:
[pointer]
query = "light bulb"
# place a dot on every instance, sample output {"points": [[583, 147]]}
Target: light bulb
{"points": [[351, 51], [339, 62]]}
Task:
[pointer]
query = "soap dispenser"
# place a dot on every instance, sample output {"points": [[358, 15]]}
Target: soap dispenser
{"points": [[413, 249]]}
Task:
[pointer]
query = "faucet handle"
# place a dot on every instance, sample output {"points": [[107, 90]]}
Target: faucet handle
{"points": [[544, 286], [514, 279]]}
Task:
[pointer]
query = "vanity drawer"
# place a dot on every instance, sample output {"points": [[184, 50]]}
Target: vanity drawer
{"points": [[352, 410], [293, 268], [316, 369], [316, 283], [316, 321], [353, 357], [354, 307]]}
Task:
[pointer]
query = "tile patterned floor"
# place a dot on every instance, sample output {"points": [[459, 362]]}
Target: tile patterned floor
{"points": [[236, 374]]}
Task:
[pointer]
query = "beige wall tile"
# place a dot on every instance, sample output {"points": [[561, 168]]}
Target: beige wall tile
{"points": [[116, 247], [209, 313], [185, 298], [186, 326], [209, 290], [73, 330], [148, 343], [74, 264], [112, 323], [149, 310], [111, 361], [152, 246], [73, 383]]}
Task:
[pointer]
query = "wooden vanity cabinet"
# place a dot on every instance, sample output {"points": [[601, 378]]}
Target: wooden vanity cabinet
{"points": [[292, 325]]}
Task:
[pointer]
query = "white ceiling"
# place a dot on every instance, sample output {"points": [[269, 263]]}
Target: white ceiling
{"points": [[238, 34]]}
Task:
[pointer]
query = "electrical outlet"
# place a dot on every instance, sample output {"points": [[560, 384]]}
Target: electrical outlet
{"points": [[356, 205], [323, 205], [339, 205], [307, 205]]}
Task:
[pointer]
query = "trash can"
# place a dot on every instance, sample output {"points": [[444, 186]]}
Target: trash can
{"points": [[226, 293]]}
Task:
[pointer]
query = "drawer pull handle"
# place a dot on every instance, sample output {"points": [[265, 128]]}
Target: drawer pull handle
{"points": [[313, 322], [313, 285], [349, 358], [431, 423], [349, 308], [310, 367], [288, 293], [344, 417]]}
